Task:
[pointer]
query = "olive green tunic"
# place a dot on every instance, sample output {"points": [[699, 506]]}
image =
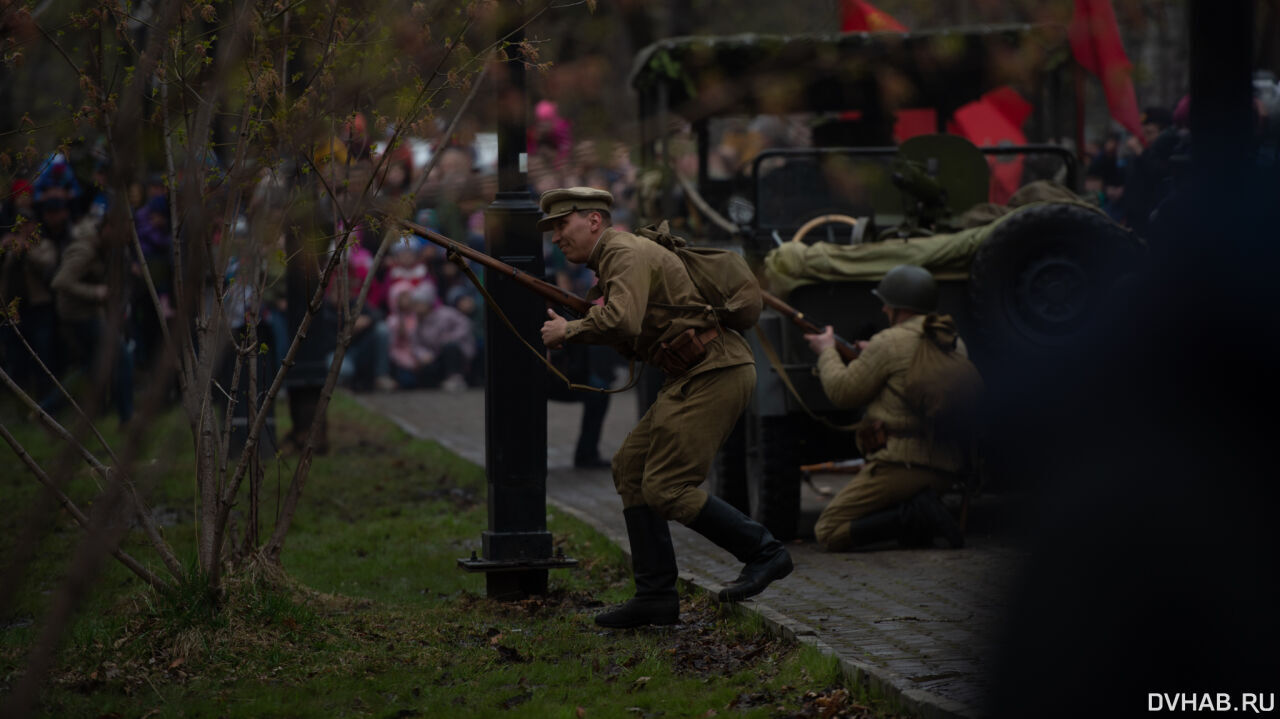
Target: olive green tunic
{"points": [[647, 294], [909, 462]]}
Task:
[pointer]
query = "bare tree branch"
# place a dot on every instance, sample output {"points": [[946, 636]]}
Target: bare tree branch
{"points": [[276, 543], [142, 512], [80, 517]]}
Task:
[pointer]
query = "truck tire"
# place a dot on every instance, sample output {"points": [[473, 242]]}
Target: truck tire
{"points": [[729, 471], [773, 477], [1043, 275]]}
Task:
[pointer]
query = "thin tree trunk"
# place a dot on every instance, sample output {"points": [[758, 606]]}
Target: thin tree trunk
{"points": [[81, 518], [102, 537], [141, 511]]}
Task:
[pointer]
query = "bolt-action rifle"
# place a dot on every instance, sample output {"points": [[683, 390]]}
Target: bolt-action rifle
{"points": [[848, 351], [551, 292], [579, 305]]}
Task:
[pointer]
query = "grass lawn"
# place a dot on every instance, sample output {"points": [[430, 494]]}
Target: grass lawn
{"points": [[372, 618]]}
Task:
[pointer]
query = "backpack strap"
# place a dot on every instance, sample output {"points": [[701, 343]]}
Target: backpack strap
{"points": [[661, 234]]}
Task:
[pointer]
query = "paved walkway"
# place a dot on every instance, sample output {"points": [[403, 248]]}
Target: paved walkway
{"points": [[910, 624]]}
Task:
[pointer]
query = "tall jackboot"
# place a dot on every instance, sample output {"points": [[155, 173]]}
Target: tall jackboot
{"points": [[876, 527], [924, 517], [765, 558], [653, 561]]}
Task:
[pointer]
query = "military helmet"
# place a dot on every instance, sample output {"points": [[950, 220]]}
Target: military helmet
{"points": [[908, 287]]}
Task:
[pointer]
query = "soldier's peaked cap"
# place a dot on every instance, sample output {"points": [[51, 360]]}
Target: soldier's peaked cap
{"points": [[558, 203]]}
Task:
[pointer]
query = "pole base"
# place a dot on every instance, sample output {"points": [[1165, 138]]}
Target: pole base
{"points": [[512, 579]]}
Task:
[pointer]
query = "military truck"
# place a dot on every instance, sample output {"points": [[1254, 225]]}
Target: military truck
{"points": [[844, 169]]}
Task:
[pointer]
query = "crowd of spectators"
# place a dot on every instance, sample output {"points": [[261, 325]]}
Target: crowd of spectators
{"points": [[421, 325], [1130, 176]]}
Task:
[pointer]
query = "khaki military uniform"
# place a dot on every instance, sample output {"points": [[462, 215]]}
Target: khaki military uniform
{"points": [[647, 292], [910, 460]]}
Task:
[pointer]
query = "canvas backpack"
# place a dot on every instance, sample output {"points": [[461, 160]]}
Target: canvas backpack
{"points": [[942, 385], [721, 276]]}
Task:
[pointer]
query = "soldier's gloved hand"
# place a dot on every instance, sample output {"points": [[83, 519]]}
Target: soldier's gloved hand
{"points": [[553, 330], [820, 342]]}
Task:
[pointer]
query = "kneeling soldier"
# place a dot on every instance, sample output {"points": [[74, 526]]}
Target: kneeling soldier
{"points": [[895, 496]]}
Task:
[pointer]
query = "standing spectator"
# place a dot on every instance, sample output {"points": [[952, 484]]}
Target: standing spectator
{"points": [[542, 174], [81, 290], [53, 206], [57, 173], [20, 201], [29, 260], [355, 136], [1149, 174], [1108, 169], [151, 221], [550, 131], [40, 319], [575, 362], [446, 188]]}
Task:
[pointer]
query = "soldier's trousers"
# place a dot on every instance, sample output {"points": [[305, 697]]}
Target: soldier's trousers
{"points": [[879, 485], [669, 453]]}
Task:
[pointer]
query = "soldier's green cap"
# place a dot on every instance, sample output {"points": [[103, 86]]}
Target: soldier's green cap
{"points": [[558, 203]]}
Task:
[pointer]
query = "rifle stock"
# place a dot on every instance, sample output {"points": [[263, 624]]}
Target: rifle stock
{"points": [[549, 291], [848, 351]]}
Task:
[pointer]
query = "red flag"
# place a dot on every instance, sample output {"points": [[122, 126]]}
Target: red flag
{"points": [[862, 16], [993, 120], [1095, 42]]}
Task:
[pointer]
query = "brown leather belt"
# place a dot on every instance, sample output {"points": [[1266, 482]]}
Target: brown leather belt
{"points": [[685, 351], [873, 436]]}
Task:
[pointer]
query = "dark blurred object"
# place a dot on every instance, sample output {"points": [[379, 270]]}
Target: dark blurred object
{"points": [[1153, 562]]}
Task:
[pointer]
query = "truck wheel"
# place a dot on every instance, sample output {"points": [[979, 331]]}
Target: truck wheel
{"points": [[729, 471], [1042, 276], [773, 477]]}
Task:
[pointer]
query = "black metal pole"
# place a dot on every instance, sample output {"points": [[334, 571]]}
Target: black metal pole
{"points": [[517, 546], [1221, 92]]}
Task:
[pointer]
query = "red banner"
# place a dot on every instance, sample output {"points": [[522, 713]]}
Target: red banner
{"points": [[861, 16], [994, 119], [1096, 44]]}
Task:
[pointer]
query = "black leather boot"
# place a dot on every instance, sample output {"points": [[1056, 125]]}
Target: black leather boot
{"points": [[925, 517], [653, 561], [765, 558], [877, 527]]}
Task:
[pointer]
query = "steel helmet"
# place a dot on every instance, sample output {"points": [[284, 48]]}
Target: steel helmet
{"points": [[908, 287]]}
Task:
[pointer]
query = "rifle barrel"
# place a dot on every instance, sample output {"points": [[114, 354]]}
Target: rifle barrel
{"points": [[847, 350], [551, 292]]}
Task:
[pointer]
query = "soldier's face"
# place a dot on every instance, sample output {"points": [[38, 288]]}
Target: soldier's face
{"points": [[890, 313], [575, 234]]}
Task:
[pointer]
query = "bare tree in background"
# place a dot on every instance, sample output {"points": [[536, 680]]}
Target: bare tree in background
{"points": [[247, 102]]}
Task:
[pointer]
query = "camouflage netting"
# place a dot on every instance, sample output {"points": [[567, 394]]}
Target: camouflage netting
{"points": [[947, 256]]}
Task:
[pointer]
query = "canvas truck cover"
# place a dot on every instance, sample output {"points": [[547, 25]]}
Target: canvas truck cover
{"points": [[704, 76], [947, 256]]}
